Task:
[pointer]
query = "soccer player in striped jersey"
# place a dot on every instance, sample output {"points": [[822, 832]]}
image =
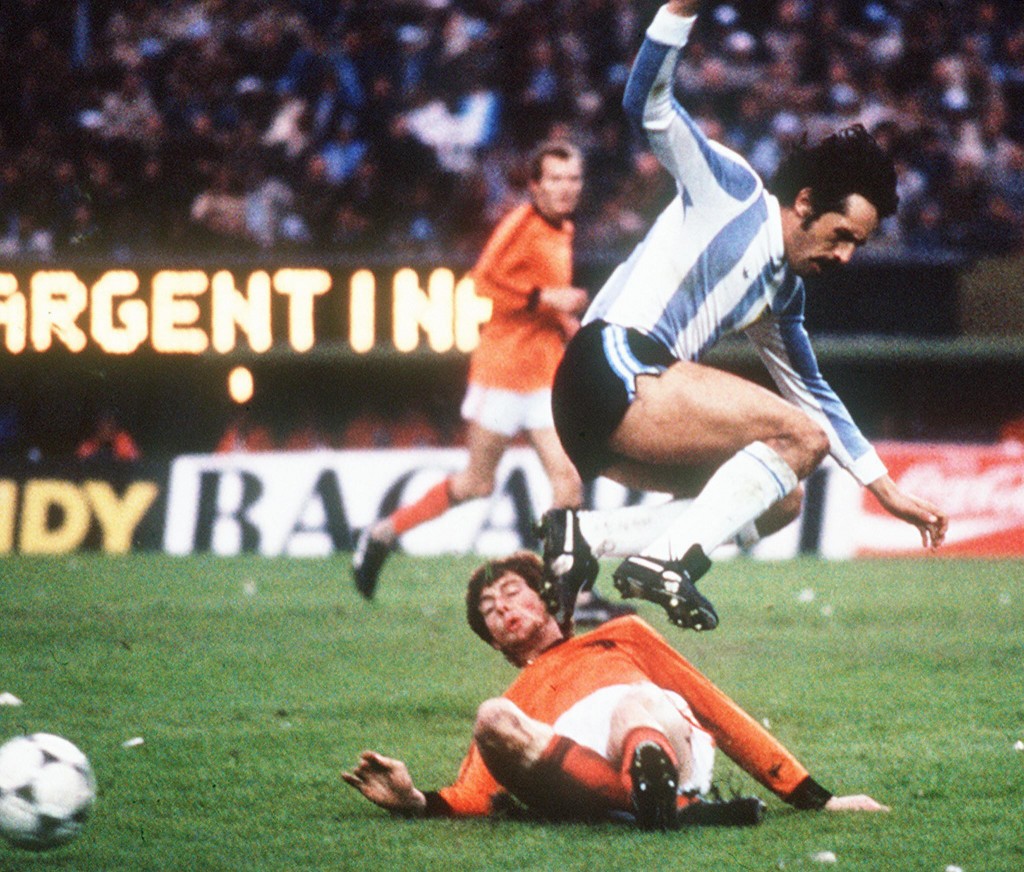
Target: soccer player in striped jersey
{"points": [[609, 724], [633, 402]]}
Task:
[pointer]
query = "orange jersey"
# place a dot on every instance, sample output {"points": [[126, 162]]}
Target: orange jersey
{"points": [[624, 651], [521, 346]]}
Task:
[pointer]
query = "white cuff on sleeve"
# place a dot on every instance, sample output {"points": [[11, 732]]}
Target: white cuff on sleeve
{"points": [[670, 29], [868, 468]]}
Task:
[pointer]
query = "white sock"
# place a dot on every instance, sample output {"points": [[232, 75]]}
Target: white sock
{"points": [[626, 531], [748, 536], [739, 492]]}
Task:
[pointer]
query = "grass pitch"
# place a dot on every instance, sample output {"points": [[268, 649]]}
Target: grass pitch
{"points": [[253, 682]]}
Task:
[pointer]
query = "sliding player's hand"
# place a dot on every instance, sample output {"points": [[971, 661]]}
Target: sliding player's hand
{"points": [[387, 783]]}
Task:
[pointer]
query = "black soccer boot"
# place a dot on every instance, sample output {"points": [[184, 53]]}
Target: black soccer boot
{"points": [[569, 564], [670, 584], [654, 780], [742, 811], [367, 560]]}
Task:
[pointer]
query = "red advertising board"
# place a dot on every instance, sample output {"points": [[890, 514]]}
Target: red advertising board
{"points": [[981, 487]]}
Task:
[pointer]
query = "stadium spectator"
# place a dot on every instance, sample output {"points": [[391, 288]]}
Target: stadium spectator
{"points": [[178, 78], [612, 723], [632, 402], [219, 212], [526, 272], [307, 435], [244, 434], [109, 441]]}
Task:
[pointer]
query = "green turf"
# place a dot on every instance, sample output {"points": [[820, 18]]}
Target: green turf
{"points": [[254, 682]]}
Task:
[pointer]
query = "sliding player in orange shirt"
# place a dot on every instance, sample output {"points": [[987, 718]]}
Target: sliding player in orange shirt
{"points": [[526, 271], [614, 724]]}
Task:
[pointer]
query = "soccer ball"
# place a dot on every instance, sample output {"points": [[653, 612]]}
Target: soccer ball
{"points": [[47, 790]]}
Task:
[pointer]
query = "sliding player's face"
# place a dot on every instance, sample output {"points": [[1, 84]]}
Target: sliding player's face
{"points": [[514, 614], [557, 191]]}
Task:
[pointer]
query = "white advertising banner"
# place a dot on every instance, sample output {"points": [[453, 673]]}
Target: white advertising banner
{"points": [[314, 503]]}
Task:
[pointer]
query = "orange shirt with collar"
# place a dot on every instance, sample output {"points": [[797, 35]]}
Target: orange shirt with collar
{"points": [[523, 343], [624, 651]]}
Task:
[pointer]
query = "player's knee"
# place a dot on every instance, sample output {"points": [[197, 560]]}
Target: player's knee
{"points": [[812, 446], [465, 488], [499, 725]]}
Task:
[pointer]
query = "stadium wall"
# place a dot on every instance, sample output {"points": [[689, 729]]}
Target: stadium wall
{"points": [[312, 504]]}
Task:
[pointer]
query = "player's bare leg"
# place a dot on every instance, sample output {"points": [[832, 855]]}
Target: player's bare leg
{"points": [[550, 773], [486, 448], [683, 424], [477, 480], [646, 705], [566, 486], [692, 418]]}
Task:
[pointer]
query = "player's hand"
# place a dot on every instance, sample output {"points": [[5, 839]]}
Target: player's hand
{"points": [[571, 301], [857, 802], [684, 8], [929, 519], [386, 782]]}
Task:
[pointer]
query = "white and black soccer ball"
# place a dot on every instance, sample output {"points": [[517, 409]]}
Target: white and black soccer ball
{"points": [[47, 790]]}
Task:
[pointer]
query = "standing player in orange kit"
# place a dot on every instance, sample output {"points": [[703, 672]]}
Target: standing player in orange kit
{"points": [[526, 270]]}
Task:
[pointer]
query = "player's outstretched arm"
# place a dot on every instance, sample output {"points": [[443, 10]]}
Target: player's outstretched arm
{"points": [[387, 783], [930, 520], [856, 802]]}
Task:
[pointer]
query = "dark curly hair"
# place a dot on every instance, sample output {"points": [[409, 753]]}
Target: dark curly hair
{"points": [[525, 564], [849, 161]]}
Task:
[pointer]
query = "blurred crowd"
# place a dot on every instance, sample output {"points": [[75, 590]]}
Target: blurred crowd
{"points": [[191, 127]]}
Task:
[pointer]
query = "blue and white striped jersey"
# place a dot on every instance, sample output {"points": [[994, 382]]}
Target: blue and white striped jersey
{"points": [[713, 262]]}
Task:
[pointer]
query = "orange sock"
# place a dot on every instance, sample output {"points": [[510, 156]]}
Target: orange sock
{"points": [[434, 503], [581, 777], [635, 737]]}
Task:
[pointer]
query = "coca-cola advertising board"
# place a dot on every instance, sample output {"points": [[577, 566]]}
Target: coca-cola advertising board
{"points": [[981, 487]]}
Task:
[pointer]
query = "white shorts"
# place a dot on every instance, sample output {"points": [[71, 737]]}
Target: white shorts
{"points": [[589, 723], [507, 412]]}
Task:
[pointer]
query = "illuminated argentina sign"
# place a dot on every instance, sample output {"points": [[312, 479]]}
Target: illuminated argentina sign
{"points": [[198, 311]]}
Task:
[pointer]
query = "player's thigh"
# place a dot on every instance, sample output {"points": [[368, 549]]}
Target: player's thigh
{"points": [[696, 415], [559, 468], [486, 449]]}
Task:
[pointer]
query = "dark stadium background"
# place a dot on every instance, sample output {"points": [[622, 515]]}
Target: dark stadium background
{"points": [[117, 119]]}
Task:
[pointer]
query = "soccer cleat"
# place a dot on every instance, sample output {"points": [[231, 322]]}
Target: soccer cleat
{"points": [[597, 610], [670, 584], [569, 564], [367, 560], [654, 780], [743, 811]]}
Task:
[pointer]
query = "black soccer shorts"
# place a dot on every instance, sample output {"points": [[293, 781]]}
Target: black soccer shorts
{"points": [[594, 385]]}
